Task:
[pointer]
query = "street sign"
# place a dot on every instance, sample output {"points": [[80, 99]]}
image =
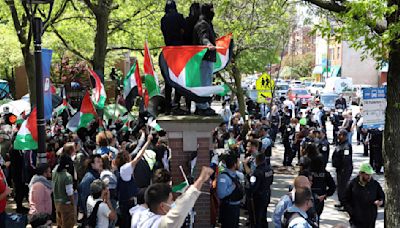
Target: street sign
{"points": [[374, 107], [264, 87], [265, 82], [264, 96]]}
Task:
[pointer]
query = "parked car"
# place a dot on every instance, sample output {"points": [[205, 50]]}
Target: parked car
{"points": [[316, 87], [302, 93], [328, 100], [281, 89], [307, 83]]}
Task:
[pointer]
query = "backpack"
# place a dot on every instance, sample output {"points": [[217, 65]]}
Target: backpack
{"points": [[92, 219], [238, 192], [289, 216]]}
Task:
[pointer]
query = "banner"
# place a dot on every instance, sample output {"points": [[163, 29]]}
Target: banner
{"points": [[374, 107], [47, 95]]}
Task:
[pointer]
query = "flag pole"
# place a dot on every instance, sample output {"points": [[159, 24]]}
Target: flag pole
{"points": [[183, 174]]}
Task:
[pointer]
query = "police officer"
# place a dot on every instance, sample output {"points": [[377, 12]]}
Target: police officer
{"points": [[375, 145], [323, 146], [288, 139], [286, 116], [266, 142], [342, 160], [230, 192], [341, 103], [323, 186], [260, 192], [337, 121]]}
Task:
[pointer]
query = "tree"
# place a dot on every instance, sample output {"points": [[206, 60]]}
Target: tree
{"points": [[104, 26], [299, 65], [373, 26], [20, 14], [260, 29]]}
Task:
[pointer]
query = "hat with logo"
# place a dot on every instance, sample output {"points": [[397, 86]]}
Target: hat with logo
{"points": [[366, 168]]}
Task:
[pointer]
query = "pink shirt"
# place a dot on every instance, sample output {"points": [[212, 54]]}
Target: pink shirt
{"points": [[39, 199]]}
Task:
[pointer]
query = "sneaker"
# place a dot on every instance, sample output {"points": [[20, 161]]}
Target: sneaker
{"points": [[205, 112], [178, 111]]}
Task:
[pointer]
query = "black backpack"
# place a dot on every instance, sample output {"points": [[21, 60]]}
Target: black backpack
{"points": [[238, 192], [92, 219], [289, 216]]}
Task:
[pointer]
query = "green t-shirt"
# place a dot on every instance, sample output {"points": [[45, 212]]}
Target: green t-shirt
{"points": [[61, 182]]}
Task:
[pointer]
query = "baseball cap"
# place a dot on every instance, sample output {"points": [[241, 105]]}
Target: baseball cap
{"points": [[366, 168], [97, 186], [303, 121]]}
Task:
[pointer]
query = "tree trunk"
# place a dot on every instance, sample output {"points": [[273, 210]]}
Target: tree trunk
{"points": [[100, 41], [392, 139], [29, 62], [239, 90]]}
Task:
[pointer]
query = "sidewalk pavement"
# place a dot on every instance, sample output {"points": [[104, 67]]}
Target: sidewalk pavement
{"points": [[284, 177]]}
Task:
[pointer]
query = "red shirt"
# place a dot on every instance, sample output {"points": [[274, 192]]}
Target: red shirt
{"points": [[3, 187]]}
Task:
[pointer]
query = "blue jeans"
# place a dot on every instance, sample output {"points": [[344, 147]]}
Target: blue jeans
{"points": [[206, 69], [350, 137]]}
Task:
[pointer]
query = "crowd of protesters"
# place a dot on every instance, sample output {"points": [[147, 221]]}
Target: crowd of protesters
{"points": [[245, 146], [107, 176]]}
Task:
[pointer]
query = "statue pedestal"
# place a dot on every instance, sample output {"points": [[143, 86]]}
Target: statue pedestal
{"points": [[187, 134]]}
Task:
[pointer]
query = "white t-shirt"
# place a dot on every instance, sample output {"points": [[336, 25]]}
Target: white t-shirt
{"points": [[126, 172], [102, 213], [136, 213]]}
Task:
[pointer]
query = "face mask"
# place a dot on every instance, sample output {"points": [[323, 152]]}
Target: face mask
{"points": [[171, 206]]}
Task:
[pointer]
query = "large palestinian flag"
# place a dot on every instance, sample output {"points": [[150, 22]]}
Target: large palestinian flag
{"points": [[151, 80], [27, 136], [180, 67], [132, 86], [85, 115], [98, 93], [224, 52]]}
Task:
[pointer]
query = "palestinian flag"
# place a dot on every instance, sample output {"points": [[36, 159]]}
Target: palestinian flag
{"points": [[60, 109], [180, 188], [132, 86], [151, 80], [98, 93], [180, 67], [224, 52], [155, 125], [85, 115], [27, 135]]}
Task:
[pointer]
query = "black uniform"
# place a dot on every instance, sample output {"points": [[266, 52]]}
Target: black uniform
{"points": [[340, 103], [375, 142], [260, 193], [342, 160], [322, 184], [324, 149], [337, 121], [359, 202], [288, 139]]}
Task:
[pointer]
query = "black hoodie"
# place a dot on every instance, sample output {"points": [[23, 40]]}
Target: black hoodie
{"points": [[203, 33]]}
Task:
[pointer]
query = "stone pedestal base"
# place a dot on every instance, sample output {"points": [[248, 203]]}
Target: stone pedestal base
{"points": [[187, 134]]}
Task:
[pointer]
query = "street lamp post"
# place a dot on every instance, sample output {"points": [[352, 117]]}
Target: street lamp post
{"points": [[37, 27]]}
